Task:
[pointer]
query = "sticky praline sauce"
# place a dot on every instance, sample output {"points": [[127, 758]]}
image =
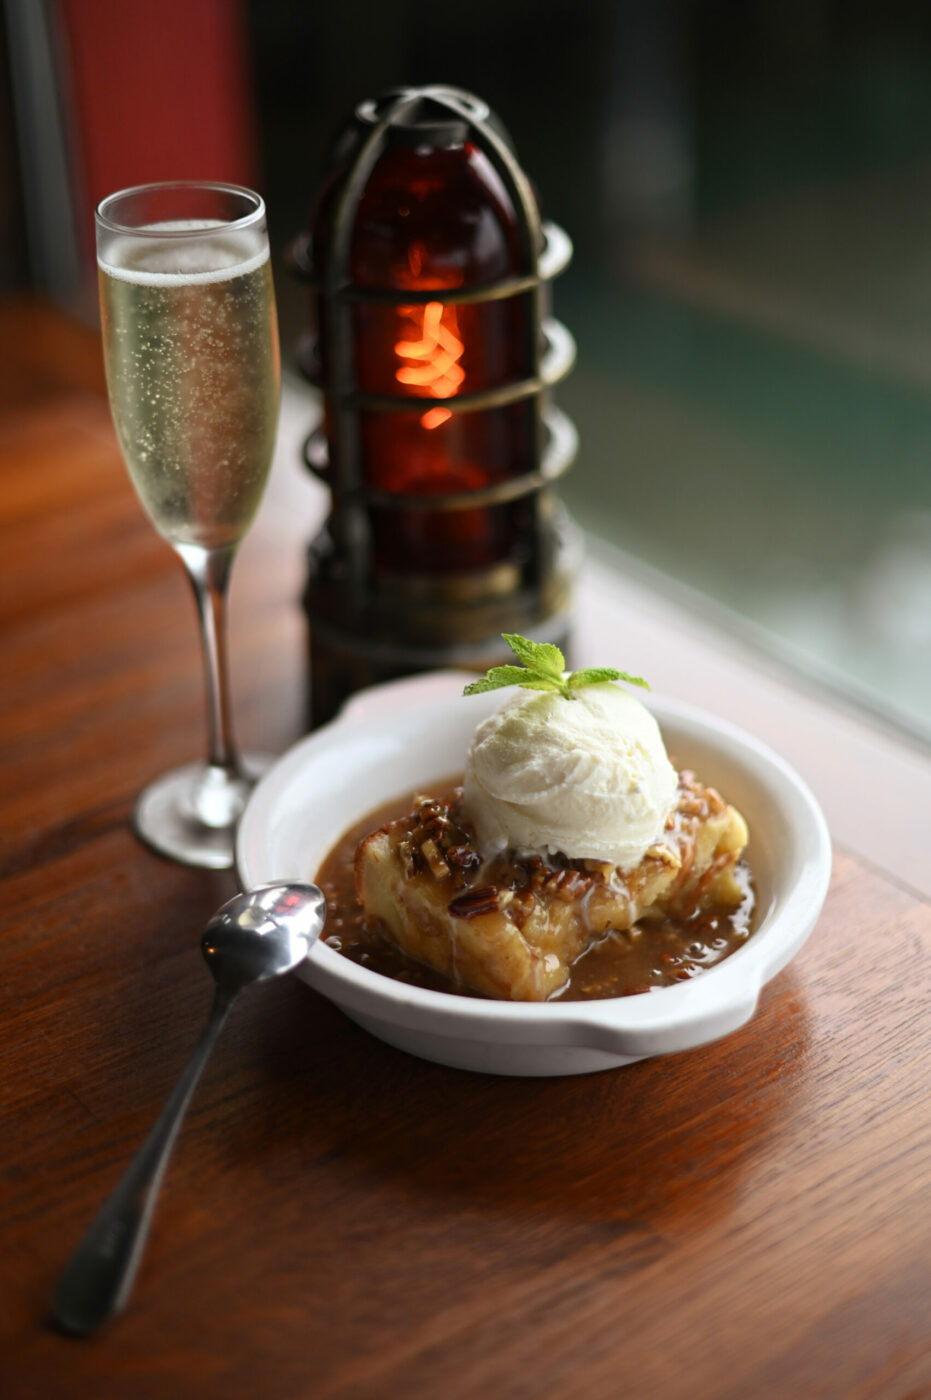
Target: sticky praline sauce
{"points": [[645, 958]]}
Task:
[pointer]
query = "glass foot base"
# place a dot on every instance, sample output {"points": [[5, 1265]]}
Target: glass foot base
{"points": [[165, 816]]}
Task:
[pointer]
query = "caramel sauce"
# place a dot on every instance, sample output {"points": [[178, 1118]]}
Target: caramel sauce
{"points": [[650, 955]]}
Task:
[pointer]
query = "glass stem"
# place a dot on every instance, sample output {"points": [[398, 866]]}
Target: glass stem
{"points": [[209, 572]]}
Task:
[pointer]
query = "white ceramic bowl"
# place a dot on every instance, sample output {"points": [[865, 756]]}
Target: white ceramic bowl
{"points": [[411, 733]]}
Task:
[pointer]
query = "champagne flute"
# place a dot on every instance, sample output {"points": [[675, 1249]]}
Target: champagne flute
{"points": [[193, 372]]}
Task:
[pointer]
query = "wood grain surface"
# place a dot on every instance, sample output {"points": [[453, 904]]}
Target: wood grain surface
{"points": [[751, 1219]]}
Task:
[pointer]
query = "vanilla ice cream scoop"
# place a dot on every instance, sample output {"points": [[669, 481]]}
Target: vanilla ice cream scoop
{"points": [[587, 776]]}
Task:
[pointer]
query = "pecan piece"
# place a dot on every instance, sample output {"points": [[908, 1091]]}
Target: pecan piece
{"points": [[406, 857], [474, 902], [464, 858], [692, 805], [569, 885], [431, 854], [521, 907]]}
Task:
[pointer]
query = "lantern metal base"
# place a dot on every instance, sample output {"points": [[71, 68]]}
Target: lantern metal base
{"points": [[342, 663], [400, 632]]}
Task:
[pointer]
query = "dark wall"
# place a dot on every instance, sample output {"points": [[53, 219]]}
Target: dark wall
{"points": [[630, 115]]}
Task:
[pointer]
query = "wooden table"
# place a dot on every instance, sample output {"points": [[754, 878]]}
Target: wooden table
{"points": [[751, 1219]]}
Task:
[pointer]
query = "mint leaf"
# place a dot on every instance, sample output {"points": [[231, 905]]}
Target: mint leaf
{"points": [[496, 679], [537, 656], [593, 675], [543, 669], [532, 681]]}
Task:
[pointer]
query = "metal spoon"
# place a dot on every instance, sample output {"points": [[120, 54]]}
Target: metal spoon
{"points": [[255, 936]]}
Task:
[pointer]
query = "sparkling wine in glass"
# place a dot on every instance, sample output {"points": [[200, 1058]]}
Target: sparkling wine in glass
{"points": [[193, 372]]}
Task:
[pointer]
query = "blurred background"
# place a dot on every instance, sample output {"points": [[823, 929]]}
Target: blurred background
{"points": [[748, 186]]}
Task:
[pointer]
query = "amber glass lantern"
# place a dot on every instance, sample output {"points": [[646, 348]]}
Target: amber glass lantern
{"points": [[431, 343]]}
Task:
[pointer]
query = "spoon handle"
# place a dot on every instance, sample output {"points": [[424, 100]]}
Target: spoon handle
{"points": [[100, 1273]]}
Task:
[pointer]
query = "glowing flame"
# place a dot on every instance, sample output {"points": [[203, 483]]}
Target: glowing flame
{"points": [[434, 357]]}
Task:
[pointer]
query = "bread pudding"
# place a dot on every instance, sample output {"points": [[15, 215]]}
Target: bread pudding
{"points": [[512, 927], [574, 860]]}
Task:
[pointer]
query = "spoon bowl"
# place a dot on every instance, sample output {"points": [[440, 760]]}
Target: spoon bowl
{"points": [[262, 933]]}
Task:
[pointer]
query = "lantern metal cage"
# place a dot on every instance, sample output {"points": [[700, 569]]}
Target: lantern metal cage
{"points": [[366, 623]]}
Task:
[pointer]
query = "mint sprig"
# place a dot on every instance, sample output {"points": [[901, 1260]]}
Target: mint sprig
{"points": [[544, 668]]}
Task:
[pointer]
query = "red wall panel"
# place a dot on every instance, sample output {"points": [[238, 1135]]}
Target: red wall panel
{"points": [[155, 90]]}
